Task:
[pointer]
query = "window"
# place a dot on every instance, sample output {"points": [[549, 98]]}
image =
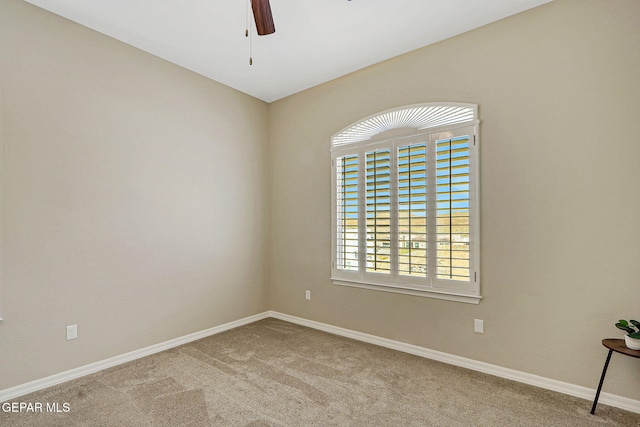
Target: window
{"points": [[405, 192]]}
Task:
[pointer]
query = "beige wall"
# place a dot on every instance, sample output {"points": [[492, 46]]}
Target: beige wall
{"points": [[133, 197], [559, 100]]}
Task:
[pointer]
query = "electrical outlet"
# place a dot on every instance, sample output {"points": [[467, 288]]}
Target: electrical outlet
{"points": [[72, 332], [478, 326], [307, 295]]}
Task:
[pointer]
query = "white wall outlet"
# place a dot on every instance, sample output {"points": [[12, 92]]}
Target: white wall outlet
{"points": [[307, 295], [478, 326], [72, 332]]}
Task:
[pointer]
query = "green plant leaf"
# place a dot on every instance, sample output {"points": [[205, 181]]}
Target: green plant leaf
{"points": [[625, 328], [623, 322], [635, 335], [635, 323]]}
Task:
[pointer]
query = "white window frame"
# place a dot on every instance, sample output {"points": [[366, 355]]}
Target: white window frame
{"points": [[388, 130]]}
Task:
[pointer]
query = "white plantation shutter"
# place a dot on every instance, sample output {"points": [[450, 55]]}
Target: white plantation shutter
{"points": [[452, 204], [412, 210], [422, 116], [378, 201], [409, 204], [347, 212]]}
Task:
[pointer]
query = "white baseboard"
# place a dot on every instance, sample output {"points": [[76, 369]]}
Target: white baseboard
{"points": [[498, 371], [30, 387], [535, 380]]}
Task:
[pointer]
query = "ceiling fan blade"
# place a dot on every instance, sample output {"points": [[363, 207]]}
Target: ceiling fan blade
{"points": [[262, 16]]}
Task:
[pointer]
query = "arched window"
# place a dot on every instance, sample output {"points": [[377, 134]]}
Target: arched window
{"points": [[405, 202]]}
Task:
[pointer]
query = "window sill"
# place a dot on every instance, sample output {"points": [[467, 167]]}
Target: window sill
{"points": [[426, 293]]}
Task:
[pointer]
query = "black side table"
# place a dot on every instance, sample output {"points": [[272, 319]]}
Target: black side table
{"points": [[618, 346]]}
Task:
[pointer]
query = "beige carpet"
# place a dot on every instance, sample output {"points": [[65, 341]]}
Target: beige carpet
{"points": [[274, 373]]}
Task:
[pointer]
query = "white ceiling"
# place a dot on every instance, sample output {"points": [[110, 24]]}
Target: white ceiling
{"points": [[315, 40]]}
